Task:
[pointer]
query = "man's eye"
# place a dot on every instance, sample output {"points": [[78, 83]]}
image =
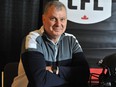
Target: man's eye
{"points": [[62, 19], [52, 19]]}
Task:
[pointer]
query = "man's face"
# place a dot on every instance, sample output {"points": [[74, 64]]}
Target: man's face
{"points": [[55, 21]]}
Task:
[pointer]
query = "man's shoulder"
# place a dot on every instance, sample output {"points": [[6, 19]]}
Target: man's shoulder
{"points": [[37, 32], [69, 35], [34, 34]]}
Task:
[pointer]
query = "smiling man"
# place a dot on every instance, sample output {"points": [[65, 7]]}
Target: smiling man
{"points": [[51, 57]]}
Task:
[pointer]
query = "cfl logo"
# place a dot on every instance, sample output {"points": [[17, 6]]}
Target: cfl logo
{"points": [[88, 11]]}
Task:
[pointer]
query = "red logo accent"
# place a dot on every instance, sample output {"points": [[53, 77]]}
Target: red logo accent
{"points": [[84, 17]]}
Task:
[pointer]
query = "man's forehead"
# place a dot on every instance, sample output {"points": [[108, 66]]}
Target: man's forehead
{"points": [[52, 7]]}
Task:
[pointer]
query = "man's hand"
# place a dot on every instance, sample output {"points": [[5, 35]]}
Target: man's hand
{"points": [[50, 68]]}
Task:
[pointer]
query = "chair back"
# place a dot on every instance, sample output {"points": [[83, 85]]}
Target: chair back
{"points": [[10, 71]]}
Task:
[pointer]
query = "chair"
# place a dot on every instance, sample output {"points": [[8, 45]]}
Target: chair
{"points": [[10, 71]]}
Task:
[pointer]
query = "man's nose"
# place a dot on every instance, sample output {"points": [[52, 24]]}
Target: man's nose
{"points": [[58, 23]]}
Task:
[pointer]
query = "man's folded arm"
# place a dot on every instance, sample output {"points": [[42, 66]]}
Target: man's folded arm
{"points": [[35, 69]]}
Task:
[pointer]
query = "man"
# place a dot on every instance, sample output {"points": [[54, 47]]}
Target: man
{"points": [[51, 57]]}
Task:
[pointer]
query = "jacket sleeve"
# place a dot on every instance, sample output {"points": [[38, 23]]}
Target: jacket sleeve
{"points": [[78, 73], [34, 66]]}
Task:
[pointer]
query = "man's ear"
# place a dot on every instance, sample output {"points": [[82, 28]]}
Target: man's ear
{"points": [[43, 18]]}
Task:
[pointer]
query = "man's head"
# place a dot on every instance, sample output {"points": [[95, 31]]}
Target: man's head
{"points": [[54, 19]]}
